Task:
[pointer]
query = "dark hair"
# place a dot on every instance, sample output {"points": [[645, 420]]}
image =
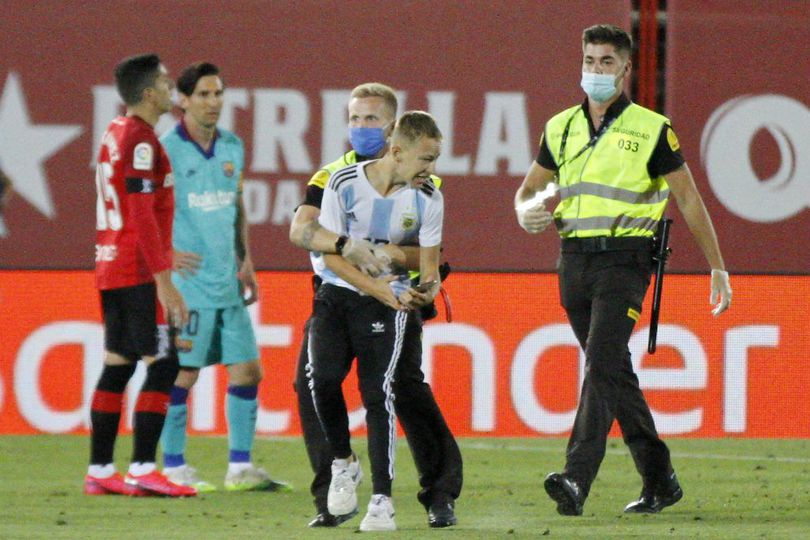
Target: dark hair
{"points": [[134, 74], [413, 125], [187, 81], [608, 34]]}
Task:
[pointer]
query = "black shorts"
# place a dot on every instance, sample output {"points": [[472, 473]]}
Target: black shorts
{"points": [[130, 320]]}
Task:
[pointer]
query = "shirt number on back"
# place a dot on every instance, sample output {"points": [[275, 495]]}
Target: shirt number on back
{"points": [[108, 208]]}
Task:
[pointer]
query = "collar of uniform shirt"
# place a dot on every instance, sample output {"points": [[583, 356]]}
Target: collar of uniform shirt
{"points": [[616, 108], [182, 130]]}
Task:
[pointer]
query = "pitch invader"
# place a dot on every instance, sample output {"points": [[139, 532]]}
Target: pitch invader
{"points": [[372, 113], [133, 273], [373, 318]]}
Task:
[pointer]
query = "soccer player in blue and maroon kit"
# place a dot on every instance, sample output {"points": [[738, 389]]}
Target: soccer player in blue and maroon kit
{"points": [[133, 272]]}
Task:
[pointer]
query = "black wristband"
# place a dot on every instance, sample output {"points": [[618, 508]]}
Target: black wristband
{"points": [[341, 241]]}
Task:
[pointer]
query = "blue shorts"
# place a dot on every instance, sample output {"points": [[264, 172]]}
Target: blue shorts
{"points": [[217, 336]]}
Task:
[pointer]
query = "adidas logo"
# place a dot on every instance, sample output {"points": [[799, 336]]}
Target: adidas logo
{"points": [[377, 327]]}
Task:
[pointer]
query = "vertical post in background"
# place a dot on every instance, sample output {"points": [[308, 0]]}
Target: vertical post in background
{"points": [[647, 69]]}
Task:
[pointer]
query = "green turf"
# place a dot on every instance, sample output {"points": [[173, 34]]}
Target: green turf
{"points": [[733, 489]]}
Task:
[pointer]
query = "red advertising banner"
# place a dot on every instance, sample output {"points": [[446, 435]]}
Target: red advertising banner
{"points": [[508, 364], [740, 103], [491, 72]]}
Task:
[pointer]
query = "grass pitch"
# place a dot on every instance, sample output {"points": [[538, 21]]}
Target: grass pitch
{"points": [[734, 488]]}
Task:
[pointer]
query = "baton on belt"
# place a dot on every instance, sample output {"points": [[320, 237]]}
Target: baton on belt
{"points": [[661, 252]]}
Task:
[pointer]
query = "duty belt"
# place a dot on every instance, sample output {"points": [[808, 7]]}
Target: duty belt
{"points": [[598, 244]]}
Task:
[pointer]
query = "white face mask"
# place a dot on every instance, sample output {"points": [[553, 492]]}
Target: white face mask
{"points": [[600, 87]]}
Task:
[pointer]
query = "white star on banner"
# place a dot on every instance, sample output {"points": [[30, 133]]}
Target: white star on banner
{"points": [[24, 147]]}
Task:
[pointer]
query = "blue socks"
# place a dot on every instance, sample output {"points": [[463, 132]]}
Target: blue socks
{"points": [[241, 407], [173, 438]]}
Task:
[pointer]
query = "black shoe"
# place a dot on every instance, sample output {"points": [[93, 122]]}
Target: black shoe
{"points": [[442, 515], [566, 493], [653, 501], [325, 519]]}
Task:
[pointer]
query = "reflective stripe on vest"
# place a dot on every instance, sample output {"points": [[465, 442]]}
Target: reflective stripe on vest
{"points": [[607, 191]]}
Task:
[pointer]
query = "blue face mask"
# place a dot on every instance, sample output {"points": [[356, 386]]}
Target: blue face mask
{"points": [[599, 87], [367, 141]]}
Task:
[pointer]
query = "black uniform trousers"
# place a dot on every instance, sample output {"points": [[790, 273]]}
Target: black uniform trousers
{"points": [[601, 289], [434, 449]]}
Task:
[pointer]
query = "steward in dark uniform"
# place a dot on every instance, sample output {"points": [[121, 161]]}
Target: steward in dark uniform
{"points": [[616, 163]]}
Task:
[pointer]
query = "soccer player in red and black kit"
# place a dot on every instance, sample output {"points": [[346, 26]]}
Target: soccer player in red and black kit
{"points": [[134, 214]]}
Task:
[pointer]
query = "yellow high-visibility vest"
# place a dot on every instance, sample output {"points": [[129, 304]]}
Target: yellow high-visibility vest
{"points": [[606, 190], [321, 176]]}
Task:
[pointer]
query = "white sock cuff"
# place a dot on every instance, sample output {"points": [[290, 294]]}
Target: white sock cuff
{"points": [[139, 469], [236, 468], [101, 471]]}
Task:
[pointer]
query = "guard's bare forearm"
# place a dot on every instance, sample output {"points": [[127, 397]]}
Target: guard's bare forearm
{"points": [[307, 233], [536, 179], [690, 203], [316, 238], [700, 225]]}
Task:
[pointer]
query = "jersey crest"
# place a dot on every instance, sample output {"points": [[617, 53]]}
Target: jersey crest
{"points": [[408, 221], [228, 169]]}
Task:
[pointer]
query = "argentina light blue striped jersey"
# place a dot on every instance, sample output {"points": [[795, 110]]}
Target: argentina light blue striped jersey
{"points": [[352, 207]]}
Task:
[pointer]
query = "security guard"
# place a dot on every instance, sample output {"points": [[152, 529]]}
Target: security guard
{"points": [[616, 164], [372, 110]]}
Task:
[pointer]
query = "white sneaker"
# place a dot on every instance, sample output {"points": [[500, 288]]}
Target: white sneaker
{"points": [[188, 476], [342, 496], [380, 515], [253, 478]]}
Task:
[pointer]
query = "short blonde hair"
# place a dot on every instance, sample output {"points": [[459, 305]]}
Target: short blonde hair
{"points": [[380, 90], [413, 125]]}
